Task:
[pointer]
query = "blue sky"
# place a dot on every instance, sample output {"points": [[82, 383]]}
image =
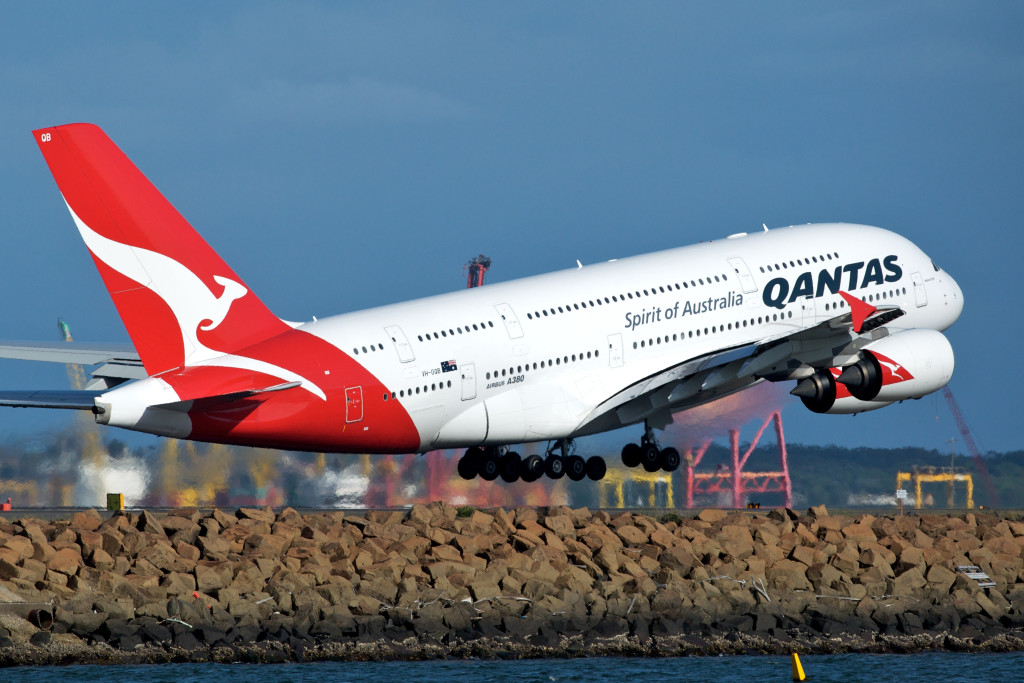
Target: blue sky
{"points": [[341, 156]]}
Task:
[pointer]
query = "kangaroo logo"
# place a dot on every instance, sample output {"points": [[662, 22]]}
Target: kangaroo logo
{"points": [[232, 291], [894, 369], [194, 306]]}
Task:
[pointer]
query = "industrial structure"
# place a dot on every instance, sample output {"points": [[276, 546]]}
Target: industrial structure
{"points": [[947, 475], [733, 480], [476, 268]]}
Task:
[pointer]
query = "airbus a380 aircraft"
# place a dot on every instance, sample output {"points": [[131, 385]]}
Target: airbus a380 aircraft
{"points": [[851, 314]]}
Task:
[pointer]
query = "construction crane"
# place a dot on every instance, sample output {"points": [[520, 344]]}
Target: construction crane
{"points": [[924, 475], [477, 266], [972, 448]]}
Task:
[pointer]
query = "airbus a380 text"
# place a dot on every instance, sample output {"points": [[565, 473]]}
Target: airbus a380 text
{"points": [[851, 315]]}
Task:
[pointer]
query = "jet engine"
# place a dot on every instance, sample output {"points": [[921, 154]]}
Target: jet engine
{"points": [[904, 365]]}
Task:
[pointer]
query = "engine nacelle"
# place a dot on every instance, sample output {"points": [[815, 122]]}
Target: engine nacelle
{"points": [[904, 365]]}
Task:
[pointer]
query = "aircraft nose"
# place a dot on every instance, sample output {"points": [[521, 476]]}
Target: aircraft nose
{"points": [[954, 300]]}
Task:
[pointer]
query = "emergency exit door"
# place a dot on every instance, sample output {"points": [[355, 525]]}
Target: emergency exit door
{"points": [[353, 404]]}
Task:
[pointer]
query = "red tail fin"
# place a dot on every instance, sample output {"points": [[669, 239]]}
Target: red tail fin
{"points": [[180, 302]]}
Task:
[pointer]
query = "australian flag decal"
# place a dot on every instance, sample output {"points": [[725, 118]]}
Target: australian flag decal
{"points": [[448, 366]]}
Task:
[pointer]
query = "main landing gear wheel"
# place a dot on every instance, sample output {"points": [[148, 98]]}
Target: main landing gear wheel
{"points": [[509, 466], [630, 455], [554, 466], [596, 468], [532, 468], [563, 461], [670, 459], [575, 468], [648, 454], [469, 464], [489, 465], [650, 457]]}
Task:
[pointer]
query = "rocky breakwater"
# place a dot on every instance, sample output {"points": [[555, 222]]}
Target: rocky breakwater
{"points": [[260, 585]]}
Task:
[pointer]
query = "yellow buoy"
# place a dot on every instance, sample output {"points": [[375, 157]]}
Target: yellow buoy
{"points": [[798, 670]]}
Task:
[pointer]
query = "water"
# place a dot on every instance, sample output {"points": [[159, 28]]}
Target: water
{"points": [[930, 666]]}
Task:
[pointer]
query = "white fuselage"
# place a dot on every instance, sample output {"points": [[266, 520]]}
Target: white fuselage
{"points": [[566, 353]]}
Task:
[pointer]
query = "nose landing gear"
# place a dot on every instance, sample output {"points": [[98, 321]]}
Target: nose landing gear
{"points": [[649, 454]]}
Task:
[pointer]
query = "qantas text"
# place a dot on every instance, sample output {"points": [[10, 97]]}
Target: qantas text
{"points": [[778, 292]]}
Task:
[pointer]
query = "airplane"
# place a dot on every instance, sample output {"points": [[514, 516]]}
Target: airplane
{"points": [[852, 314]]}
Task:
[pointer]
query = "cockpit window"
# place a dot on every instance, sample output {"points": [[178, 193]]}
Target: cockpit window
{"points": [[935, 267]]}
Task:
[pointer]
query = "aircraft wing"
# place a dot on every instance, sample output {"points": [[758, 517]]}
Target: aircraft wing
{"points": [[699, 380]]}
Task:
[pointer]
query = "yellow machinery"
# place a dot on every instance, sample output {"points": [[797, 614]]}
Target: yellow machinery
{"points": [[616, 479], [947, 475]]}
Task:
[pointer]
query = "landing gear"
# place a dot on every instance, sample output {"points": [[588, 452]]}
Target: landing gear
{"points": [[489, 463], [649, 454], [509, 466], [554, 466], [575, 468], [492, 462], [469, 464], [532, 468], [561, 460], [596, 468]]}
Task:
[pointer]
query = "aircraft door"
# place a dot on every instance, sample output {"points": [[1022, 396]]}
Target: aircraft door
{"points": [[615, 350], [746, 279], [809, 312], [402, 346], [920, 293], [468, 381], [512, 326], [353, 404]]}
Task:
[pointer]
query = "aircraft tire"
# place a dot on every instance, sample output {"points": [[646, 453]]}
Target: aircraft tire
{"points": [[554, 466], [650, 458], [489, 466], [575, 468], [510, 467], [532, 468], [469, 463], [596, 468], [631, 455], [669, 459]]}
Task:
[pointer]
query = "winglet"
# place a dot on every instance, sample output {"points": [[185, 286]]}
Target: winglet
{"points": [[860, 310]]}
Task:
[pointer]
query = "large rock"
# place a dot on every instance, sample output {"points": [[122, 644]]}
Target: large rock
{"points": [[788, 575], [148, 523], [212, 576], [65, 561], [267, 545], [265, 515]]}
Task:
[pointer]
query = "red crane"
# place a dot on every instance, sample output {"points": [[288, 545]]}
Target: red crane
{"points": [[972, 448], [476, 267]]}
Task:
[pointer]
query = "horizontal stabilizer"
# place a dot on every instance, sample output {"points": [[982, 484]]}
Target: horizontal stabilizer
{"points": [[209, 401], [67, 399], [69, 352]]}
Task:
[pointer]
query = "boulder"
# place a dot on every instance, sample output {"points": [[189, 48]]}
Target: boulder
{"points": [[65, 561], [788, 575], [267, 545], [712, 515], [148, 523], [265, 515]]}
